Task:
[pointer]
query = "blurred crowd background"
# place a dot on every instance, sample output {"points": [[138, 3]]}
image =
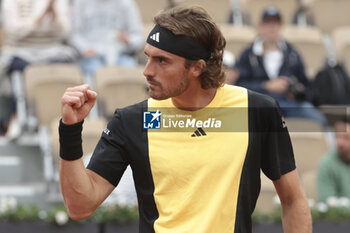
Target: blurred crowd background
{"points": [[297, 51]]}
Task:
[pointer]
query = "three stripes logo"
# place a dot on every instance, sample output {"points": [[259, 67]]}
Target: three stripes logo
{"points": [[199, 132], [155, 37]]}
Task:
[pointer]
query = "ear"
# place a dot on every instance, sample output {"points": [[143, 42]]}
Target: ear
{"points": [[198, 68]]}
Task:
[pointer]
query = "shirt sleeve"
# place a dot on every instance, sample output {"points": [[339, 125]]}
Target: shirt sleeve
{"points": [[277, 155], [110, 158]]}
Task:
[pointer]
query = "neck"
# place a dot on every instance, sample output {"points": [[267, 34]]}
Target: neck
{"points": [[194, 98], [270, 45]]}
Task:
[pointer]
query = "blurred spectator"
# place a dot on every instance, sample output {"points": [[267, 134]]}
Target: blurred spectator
{"points": [[272, 66], [304, 16], [173, 3], [106, 32], [35, 32], [333, 179], [229, 62]]}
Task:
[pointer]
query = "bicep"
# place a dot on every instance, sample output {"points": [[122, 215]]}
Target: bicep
{"points": [[288, 187], [100, 185]]}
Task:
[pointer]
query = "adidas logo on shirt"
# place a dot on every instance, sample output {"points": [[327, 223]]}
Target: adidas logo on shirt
{"points": [[106, 131], [155, 36], [199, 132]]}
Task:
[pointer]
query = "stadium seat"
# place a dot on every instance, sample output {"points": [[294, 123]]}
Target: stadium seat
{"points": [[330, 14], [341, 40], [309, 143], [119, 87], [255, 9], [148, 9], [45, 85], [302, 125], [334, 113], [91, 133], [218, 9], [2, 36], [309, 43], [309, 183], [237, 38]]}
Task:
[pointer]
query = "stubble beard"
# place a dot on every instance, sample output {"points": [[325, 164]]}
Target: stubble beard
{"points": [[173, 91]]}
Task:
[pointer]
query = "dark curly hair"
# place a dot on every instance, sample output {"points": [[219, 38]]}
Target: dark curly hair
{"points": [[194, 22]]}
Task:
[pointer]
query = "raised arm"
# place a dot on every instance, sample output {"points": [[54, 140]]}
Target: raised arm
{"points": [[296, 216], [83, 190]]}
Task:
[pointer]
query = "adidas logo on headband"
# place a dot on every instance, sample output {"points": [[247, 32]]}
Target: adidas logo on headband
{"points": [[155, 37], [177, 44]]}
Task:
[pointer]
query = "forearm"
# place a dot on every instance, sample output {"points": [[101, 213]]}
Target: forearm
{"points": [[296, 217], [77, 189], [83, 190], [76, 183]]}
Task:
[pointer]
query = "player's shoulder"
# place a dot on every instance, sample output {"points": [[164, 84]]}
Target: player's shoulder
{"points": [[128, 119], [255, 99], [233, 92], [135, 107], [260, 100], [131, 111], [233, 88]]}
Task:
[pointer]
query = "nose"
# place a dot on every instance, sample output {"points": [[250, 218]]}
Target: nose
{"points": [[149, 70]]}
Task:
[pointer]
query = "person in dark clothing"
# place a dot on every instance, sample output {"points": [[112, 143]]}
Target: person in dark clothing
{"points": [[270, 65]]}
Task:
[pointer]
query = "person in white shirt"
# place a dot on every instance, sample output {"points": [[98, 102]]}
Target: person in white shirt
{"points": [[36, 32], [106, 32]]}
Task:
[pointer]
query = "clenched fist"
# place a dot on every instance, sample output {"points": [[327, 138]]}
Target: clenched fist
{"points": [[76, 103]]}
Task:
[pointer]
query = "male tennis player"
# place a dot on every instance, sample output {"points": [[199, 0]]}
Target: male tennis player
{"points": [[200, 181]]}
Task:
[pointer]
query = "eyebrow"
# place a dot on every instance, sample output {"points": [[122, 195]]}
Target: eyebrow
{"points": [[158, 56]]}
